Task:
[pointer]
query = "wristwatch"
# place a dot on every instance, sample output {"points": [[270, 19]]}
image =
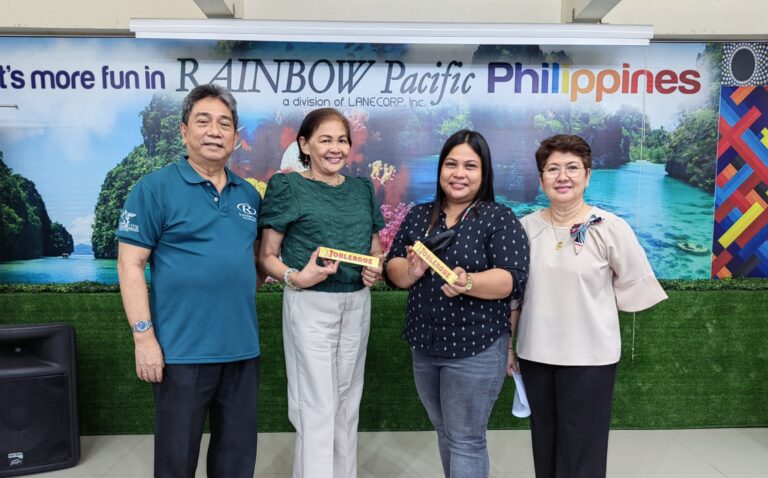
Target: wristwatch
{"points": [[469, 285], [142, 326]]}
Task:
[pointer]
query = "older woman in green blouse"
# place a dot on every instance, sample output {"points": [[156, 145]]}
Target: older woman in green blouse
{"points": [[326, 305]]}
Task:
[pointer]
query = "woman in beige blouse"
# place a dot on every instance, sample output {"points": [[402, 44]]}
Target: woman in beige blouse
{"points": [[586, 265]]}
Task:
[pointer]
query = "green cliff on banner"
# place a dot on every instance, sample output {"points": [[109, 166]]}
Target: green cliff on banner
{"points": [[612, 136], [26, 231], [693, 145], [162, 145], [693, 148]]}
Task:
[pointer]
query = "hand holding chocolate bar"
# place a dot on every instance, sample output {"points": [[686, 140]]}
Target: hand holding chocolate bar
{"points": [[313, 273], [461, 285], [435, 263], [371, 274]]}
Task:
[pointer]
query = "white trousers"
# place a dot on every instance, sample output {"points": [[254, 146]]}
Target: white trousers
{"points": [[325, 336]]}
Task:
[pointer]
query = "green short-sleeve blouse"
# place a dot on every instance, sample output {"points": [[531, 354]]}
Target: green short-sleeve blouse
{"points": [[311, 214]]}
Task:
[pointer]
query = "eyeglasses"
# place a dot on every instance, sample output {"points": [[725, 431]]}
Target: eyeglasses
{"points": [[571, 170]]}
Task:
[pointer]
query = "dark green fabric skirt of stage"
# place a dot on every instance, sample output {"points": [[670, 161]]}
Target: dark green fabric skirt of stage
{"points": [[697, 360]]}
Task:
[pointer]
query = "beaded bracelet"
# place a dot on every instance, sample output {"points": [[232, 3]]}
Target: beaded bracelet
{"points": [[287, 279]]}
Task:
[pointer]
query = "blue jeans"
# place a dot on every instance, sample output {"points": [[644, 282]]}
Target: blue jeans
{"points": [[459, 395]]}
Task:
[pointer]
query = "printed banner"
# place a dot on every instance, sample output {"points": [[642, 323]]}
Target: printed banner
{"points": [[82, 119]]}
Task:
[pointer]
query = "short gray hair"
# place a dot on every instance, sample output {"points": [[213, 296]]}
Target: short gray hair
{"points": [[208, 91]]}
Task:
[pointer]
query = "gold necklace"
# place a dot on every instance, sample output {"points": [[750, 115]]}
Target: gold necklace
{"points": [[456, 216], [313, 178], [559, 242]]}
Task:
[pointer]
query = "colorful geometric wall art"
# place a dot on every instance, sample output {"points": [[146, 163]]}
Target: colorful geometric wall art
{"points": [[740, 239]]}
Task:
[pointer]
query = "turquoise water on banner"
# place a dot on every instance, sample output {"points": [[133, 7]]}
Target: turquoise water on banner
{"points": [[75, 268], [672, 219]]}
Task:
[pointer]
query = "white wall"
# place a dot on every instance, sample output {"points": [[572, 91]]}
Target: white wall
{"points": [[484, 11], [39, 16], [695, 18], [683, 19]]}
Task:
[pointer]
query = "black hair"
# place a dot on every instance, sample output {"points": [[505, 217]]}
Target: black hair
{"points": [[208, 91], [312, 121], [479, 145]]}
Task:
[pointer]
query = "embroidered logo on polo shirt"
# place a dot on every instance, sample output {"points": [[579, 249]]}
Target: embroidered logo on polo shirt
{"points": [[247, 211], [125, 222]]}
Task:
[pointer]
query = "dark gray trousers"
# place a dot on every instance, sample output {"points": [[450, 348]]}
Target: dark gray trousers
{"points": [[225, 392]]}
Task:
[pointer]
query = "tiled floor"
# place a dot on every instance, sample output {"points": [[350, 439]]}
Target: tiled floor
{"points": [[715, 453]]}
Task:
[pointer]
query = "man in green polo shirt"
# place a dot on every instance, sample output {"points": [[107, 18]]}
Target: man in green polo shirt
{"points": [[196, 340]]}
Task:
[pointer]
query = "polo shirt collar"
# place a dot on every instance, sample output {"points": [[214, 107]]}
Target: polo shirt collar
{"points": [[193, 177]]}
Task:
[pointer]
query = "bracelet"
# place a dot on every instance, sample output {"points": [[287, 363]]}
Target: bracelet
{"points": [[287, 279]]}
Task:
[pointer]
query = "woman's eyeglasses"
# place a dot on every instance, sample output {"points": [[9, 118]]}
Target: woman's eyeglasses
{"points": [[553, 171]]}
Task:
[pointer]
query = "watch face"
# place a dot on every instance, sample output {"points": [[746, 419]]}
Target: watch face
{"points": [[141, 326]]}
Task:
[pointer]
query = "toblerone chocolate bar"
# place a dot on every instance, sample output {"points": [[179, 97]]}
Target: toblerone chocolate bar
{"points": [[435, 263], [349, 257]]}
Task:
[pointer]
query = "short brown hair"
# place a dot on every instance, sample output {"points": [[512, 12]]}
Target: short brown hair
{"points": [[564, 143], [312, 121]]}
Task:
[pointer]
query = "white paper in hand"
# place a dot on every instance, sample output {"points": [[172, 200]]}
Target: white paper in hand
{"points": [[520, 407]]}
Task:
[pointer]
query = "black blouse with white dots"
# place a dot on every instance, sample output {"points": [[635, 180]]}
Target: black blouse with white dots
{"points": [[490, 236]]}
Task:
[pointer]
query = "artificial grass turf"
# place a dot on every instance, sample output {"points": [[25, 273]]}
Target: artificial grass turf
{"points": [[699, 361]]}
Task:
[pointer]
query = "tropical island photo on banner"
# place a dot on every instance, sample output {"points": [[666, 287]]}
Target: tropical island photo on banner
{"points": [[86, 118]]}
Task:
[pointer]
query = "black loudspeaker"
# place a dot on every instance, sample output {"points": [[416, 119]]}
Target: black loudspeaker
{"points": [[38, 399]]}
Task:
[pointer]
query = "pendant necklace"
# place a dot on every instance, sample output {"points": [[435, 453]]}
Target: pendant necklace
{"points": [[559, 242]]}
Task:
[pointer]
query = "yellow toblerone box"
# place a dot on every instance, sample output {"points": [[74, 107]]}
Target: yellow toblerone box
{"points": [[435, 263], [349, 257]]}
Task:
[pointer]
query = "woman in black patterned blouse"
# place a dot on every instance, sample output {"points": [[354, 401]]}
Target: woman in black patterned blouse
{"points": [[460, 333]]}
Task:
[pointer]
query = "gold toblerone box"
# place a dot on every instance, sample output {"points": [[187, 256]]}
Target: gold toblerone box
{"points": [[435, 263], [349, 257]]}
